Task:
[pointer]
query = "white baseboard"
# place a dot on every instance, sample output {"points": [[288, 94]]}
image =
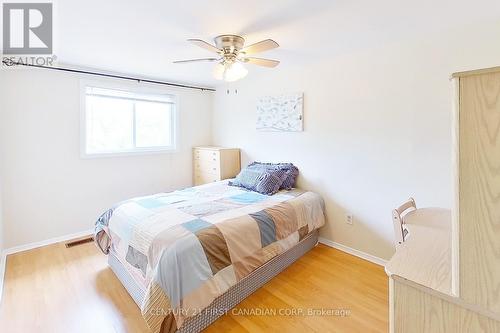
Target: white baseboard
{"points": [[34, 245], [20, 248], [354, 252]]}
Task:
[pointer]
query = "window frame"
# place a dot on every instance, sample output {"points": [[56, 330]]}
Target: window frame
{"points": [[135, 88]]}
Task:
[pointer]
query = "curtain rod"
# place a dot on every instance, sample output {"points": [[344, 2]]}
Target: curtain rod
{"points": [[11, 63]]}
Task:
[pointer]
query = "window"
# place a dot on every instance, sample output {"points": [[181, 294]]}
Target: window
{"points": [[120, 121]]}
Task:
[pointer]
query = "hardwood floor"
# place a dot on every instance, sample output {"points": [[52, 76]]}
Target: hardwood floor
{"points": [[59, 289]]}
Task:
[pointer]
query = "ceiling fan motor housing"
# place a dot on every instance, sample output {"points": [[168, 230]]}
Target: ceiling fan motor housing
{"points": [[230, 44]]}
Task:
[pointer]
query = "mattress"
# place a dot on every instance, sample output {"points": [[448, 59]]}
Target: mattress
{"points": [[186, 248]]}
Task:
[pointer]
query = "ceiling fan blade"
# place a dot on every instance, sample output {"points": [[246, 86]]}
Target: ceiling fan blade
{"points": [[205, 45], [261, 62], [196, 60], [264, 45]]}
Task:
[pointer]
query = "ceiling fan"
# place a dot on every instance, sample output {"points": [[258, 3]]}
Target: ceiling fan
{"points": [[232, 54]]}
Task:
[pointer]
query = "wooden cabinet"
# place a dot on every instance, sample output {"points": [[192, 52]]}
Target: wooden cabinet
{"points": [[211, 164], [469, 299]]}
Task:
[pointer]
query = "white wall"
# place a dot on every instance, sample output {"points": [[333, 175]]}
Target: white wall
{"points": [[48, 190], [377, 127], [1, 229]]}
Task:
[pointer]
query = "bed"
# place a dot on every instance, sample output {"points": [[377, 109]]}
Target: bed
{"points": [[189, 256]]}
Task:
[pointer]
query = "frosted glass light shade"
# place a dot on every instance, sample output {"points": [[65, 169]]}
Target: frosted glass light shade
{"points": [[230, 72], [219, 70], [235, 72]]}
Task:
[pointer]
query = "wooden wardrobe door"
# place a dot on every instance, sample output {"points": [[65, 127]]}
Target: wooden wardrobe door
{"points": [[479, 190]]}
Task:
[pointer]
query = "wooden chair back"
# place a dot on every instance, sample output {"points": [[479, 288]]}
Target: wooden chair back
{"points": [[398, 214]]}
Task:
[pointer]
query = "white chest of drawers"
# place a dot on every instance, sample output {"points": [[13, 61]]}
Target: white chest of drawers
{"points": [[211, 164]]}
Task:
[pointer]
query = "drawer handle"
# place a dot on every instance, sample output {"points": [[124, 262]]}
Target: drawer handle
{"points": [[214, 169], [214, 159]]}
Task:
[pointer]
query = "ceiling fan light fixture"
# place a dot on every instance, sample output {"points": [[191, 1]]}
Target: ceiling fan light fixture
{"points": [[230, 72], [231, 53]]}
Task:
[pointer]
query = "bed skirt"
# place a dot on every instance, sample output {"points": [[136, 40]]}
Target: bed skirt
{"points": [[234, 295]]}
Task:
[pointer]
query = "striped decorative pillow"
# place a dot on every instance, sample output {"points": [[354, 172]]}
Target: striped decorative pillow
{"points": [[247, 178]]}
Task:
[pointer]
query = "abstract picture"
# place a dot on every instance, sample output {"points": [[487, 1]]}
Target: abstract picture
{"points": [[282, 113]]}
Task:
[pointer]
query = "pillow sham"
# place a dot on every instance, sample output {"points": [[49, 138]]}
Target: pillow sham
{"points": [[291, 172], [258, 179]]}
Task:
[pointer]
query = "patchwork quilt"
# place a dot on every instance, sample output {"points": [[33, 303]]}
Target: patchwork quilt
{"points": [[192, 245]]}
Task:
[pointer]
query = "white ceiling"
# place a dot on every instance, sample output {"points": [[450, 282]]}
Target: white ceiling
{"points": [[144, 37]]}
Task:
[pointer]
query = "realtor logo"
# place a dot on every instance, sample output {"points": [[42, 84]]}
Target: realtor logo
{"points": [[27, 28]]}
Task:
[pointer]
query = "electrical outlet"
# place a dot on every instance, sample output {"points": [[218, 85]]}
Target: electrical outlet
{"points": [[349, 219]]}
